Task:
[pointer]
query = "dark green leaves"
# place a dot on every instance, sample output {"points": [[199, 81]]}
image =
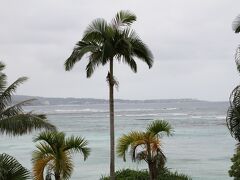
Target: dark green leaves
{"points": [[13, 120], [11, 169], [55, 150], [233, 114], [124, 18], [97, 31], [237, 58], [160, 127], [235, 168], [236, 24], [103, 42], [6, 94], [20, 124]]}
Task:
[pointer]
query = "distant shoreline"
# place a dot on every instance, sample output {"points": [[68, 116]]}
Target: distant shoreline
{"points": [[80, 101]]}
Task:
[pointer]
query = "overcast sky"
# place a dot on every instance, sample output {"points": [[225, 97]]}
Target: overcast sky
{"points": [[192, 42]]}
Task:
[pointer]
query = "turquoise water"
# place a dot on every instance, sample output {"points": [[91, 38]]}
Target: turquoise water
{"points": [[200, 147]]}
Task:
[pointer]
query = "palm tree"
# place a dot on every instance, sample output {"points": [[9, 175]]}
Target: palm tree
{"points": [[106, 43], [233, 114], [11, 169], [146, 146], [13, 120], [54, 154]]}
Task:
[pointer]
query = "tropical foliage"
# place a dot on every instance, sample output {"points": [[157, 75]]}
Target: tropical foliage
{"points": [[235, 168], [236, 24], [164, 174], [13, 120], [233, 115], [54, 154], [146, 146], [107, 42], [11, 169]]}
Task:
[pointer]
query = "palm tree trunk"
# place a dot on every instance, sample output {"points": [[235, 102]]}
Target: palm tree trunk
{"points": [[111, 109], [152, 171], [57, 176], [151, 164]]}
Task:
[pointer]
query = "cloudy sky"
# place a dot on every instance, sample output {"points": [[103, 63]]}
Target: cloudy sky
{"points": [[192, 42]]}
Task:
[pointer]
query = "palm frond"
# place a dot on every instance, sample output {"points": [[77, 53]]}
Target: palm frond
{"points": [[135, 149], [107, 51], [6, 96], [15, 109], [24, 123], [237, 58], [96, 31], [3, 82], [141, 51], [67, 165], [233, 114], [131, 62], [236, 24], [140, 156], [77, 144], [3, 78], [11, 169], [160, 158], [40, 160], [79, 51], [44, 149], [124, 18], [160, 127], [94, 60], [2, 66], [126, 141], [54, 139]]}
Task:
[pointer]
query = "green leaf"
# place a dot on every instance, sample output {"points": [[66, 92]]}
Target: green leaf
{"points": [[11, 169], [236, 24]]}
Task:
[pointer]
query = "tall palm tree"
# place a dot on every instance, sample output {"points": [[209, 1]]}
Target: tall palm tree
{"points": [[146, 146], [11, 169], [233, 114], [13, 120], [105, 43], [54, 154]]}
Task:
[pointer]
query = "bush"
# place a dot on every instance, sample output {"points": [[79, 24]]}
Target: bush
{"points": [[235, 168], [128, 174]]}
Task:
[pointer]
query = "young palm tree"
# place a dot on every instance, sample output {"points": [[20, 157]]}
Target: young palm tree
{"points": [[146, 146], [54, 154], [106, 43], [13, 120], [11, 169]]}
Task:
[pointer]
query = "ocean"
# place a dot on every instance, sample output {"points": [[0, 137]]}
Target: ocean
{"points": [[201, 146]]}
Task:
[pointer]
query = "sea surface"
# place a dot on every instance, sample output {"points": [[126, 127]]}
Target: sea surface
{"points": [[201, 146]]}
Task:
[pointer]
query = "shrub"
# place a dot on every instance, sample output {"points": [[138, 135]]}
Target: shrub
{"points": [[235, 168], [129, 174]]}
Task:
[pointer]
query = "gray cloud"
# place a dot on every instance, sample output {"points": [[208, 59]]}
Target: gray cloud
{"points": [[192, 43]]}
